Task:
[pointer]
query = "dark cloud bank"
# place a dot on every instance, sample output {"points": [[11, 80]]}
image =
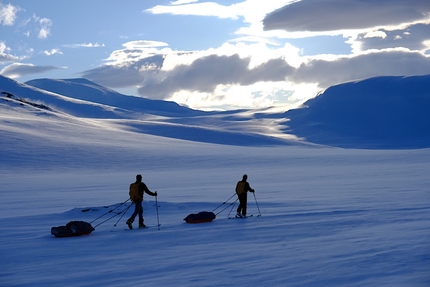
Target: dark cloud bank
{"points": [[332, 15]]}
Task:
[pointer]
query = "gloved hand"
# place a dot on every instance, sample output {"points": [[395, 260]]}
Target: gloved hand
{"points": [[156, 194], [253, 190]]}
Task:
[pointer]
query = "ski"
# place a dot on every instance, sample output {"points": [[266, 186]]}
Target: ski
{"points": [[234, 217], [146, 227]]}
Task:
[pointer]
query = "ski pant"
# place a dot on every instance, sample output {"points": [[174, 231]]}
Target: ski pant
{"points": [[138, 209], [242, 203]]}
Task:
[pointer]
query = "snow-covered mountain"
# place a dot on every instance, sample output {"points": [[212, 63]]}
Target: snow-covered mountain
{"points": [[382, 112], [91, 103], [86, 90]]}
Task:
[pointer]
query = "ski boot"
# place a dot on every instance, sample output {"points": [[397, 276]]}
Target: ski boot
{"points": [[129, 223]]}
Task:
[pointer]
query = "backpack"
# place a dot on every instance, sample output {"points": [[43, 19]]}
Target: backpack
{"points": [[134, 192], [240, 187]]}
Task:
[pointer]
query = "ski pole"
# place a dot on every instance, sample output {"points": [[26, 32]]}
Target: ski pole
{"points": [[233, 203], [257, 204], [123, 213], [156, 206], [224, 202], [110, 211]]}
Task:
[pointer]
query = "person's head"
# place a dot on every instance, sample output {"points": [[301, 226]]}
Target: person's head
{"points": [[245, 177], [138, 178]]}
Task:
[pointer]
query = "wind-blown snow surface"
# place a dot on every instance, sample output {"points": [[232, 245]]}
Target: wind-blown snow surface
{"points": [[329, 216]]}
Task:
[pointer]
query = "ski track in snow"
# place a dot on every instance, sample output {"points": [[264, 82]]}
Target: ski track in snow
{"points": [[351, 225]]}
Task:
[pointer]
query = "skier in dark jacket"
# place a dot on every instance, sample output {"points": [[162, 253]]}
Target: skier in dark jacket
{"points": [[137, 200], [242, 188]]}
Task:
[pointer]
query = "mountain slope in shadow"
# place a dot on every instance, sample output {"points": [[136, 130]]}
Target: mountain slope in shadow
{"points": [[380, 112]]}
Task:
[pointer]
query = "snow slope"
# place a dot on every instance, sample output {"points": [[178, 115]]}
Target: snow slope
{"points": [[381, 112], [89, 91], [150, 117], [329, 216]]}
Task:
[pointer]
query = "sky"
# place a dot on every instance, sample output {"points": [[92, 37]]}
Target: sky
{"points": [[215, 54]]}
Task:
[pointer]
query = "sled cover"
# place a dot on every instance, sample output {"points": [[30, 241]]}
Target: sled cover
{"points": [[73, 228], [204, 216]]}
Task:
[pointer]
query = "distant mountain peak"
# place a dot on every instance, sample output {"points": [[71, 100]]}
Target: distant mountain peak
{"points": [[379, 112], [84, 89]]}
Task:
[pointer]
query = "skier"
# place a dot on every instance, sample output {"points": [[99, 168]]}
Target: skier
{"points": [[136, 195], [242, 189]]}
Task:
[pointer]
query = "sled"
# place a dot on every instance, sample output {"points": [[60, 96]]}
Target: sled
{"points": [[200, 217], [73, 228]]}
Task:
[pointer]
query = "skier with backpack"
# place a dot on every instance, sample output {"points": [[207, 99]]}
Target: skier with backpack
{"points": [[136, 195], [242, 188]]}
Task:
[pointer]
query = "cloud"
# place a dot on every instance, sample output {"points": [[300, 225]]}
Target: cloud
{"points": [[128, 74], [206, 73], [248, 13], [333, 15], [251, 11], [84, 45], [41, 27], [17, 70], [52, 52], [143, 44], [231, 75], [222, 79], [33, 25], [390, 62], [196, 9], [8, 58], [8, 14], [413, 37], [4, 57], [129, 67], [180, 2], [2, 47], [244, 75], [45, 28], [388, 37]]}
